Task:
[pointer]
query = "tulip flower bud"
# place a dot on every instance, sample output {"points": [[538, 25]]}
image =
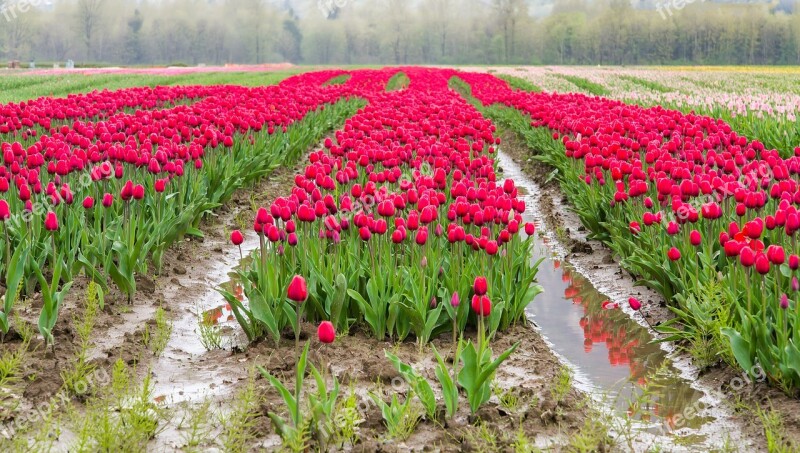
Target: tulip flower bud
{"points": [[326, 332], [51, 222], [5, 211], [297, 290], [237, 238], [480, 286], [481, 305], [454, 301], [530, 228]]}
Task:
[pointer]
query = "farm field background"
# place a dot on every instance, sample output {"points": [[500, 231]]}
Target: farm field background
{"points": [[400, 209]]}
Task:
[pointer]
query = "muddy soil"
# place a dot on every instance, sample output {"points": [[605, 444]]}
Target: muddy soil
{"points": [[186, 376], [598, 262], [359, 362]]}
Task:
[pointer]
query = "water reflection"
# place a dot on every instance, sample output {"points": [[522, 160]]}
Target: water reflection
{"points": [[222, 314], [608, 347]]}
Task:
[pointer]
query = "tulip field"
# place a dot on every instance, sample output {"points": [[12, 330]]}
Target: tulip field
{"points": [[702, 213], [399, 226]]}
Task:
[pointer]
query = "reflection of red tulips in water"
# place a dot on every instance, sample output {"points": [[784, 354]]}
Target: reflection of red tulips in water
{"points": [[627, 344]]}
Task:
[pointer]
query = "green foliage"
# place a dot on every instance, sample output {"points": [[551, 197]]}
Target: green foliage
{"points": [[562, 386], [422, 389], [292, 400], [774, 431], [586, 85], [449, 386], [338, 80], [398, 81], [76, 374], [649, 84], [344, 426], [119, 422], [156, 340], [477, 372], [400, 418], [239, 423], [519, 83], [14, 277]]}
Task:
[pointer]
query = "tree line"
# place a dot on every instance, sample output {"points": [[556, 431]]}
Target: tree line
{"points": [[192, 32]]}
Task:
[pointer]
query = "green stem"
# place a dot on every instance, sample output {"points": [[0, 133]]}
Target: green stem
{"points": [[8, 247], [298, 310]]}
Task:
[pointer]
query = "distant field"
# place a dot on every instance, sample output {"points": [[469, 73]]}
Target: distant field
{"points": [[760, 102], [15, 88]]}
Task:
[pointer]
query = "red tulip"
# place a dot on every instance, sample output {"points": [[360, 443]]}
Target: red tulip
{"points": [[422, 236], [635, 304], [454, 300], [88, 203], [108, 200], [747, 257], [51, 222], [481, 305], [138, 192], [297, 291], [5, 212], [776, 255], [695, 238], [364, 233], [480, 286], [762, 264], [530, 228], [326, 332], [160, 185], [674, 254], [262, 216], [672, 228], [237, 238], [127, 191]]}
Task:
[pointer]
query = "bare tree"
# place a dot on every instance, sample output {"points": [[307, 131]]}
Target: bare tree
{"points": [[89, 19], [507, 12]]}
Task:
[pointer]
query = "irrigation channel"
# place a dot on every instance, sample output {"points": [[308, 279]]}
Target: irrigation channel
{"points": [[640, 384], [643, 385]]}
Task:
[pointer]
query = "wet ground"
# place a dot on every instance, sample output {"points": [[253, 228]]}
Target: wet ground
{"points": [[612, 349]]}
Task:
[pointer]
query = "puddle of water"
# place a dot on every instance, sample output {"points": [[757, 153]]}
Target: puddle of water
{"points": [[184, 372], [221, 314], [613, 351], [611, 354]]}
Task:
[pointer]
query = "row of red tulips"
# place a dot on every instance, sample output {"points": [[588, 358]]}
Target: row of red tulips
{"points": [[392, 220], [105, 196], [20, 119], [705, 216]]}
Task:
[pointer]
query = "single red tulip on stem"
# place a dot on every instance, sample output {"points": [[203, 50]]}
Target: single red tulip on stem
{"points": [[480, 286], [326, 332], [237, 238], [297, 292]]}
